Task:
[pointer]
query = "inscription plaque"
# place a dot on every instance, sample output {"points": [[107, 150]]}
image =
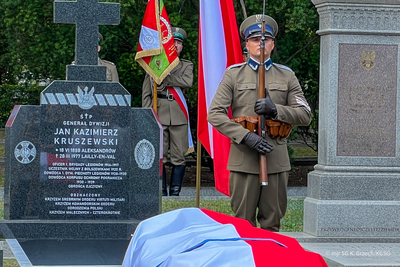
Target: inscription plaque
{"points": [[83, 165], [69, 161], [367, 96]]}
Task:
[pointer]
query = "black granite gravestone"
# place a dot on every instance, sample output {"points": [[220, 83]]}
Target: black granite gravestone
{"points": [[82, 154], [84, 164]]}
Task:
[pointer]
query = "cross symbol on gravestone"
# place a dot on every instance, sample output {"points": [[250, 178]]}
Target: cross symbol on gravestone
{"points": [[87, 15]]}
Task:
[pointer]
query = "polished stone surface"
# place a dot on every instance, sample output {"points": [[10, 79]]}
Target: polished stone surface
{"points": [[353, 191], [83, 164], [367, 97]]}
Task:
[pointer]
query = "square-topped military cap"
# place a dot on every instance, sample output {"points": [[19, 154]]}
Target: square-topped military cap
{"points": [[179, 34], [251, 27]]}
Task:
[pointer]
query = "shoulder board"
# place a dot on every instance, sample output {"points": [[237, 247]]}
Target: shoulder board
{"points": [[283, 67], [108, 62], [236, 65]]}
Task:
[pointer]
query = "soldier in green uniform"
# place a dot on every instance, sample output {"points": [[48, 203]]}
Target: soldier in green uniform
{"points": [[285, 103], [112, 73], [172, 117]]}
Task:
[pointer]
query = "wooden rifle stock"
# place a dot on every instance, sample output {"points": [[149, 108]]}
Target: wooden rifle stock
{"points": [[261, 94]]}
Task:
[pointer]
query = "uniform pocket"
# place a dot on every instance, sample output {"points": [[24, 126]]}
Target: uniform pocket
{"points": [[283, 155], [277, 87], [278, 93], [246, 93], [236, 155]]}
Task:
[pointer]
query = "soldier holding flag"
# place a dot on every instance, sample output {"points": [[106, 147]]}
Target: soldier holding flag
{"points": [[173, 114], [164, 85], [284, 102]]}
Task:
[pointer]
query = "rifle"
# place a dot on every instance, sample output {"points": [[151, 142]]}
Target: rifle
{"points": [[261, 94]]}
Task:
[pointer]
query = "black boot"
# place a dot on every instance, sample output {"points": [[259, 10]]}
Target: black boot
{"points": [[164, 182], [176, 180]]}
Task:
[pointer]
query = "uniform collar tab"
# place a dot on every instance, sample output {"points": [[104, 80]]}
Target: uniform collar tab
{"points": [[253, 64]]}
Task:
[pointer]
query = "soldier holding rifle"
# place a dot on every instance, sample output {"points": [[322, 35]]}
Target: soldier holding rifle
{"points": [[282, 107]]}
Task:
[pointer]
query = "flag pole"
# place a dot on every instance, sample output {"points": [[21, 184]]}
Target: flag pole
{"points": [[154, 82], [155, 96], [198, 173]]}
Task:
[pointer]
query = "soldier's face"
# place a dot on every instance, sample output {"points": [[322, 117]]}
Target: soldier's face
{"points": [[178, 46], [253, 47]]}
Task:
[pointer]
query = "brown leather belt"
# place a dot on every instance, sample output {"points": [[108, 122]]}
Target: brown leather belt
{"points": [[275, 129]]}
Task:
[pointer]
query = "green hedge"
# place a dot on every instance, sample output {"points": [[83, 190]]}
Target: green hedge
{"points": [[11, 95]]}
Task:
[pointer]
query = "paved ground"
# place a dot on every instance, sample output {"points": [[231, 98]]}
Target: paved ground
{"points": [[7, 254]]}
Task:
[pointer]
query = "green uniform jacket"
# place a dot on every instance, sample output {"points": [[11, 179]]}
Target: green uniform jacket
{"points": [[112, 73], [168, 111], [239, 90]]}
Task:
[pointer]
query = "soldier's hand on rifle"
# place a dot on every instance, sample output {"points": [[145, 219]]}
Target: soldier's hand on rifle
{"points": [[265, 106], [258, 143]]}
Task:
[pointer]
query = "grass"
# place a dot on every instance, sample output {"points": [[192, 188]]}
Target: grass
{"points": [[10, 263], [303, 152], [221, 206], [292, 222]]}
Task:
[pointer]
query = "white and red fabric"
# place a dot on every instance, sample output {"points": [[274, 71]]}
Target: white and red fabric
{"points": [[219, 47], [180, 99], [198, 237]]}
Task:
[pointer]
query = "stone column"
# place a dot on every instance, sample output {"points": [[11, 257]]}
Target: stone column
{"points": [[355, 188]]}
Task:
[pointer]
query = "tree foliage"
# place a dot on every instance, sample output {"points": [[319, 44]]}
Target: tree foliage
{"points": [[29, 40], [11, 95]]}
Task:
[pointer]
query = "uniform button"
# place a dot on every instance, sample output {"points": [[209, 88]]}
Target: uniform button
{"points": [[278, 87]]}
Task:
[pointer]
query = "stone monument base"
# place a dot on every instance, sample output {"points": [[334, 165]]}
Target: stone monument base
{"points": [[68, 229], [68, 242], [350, 251], [99, 252], [352, 202]]}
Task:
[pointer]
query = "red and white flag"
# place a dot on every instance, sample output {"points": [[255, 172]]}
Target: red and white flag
{"points": [[156, 51], [219, 47], [200, 237]]}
